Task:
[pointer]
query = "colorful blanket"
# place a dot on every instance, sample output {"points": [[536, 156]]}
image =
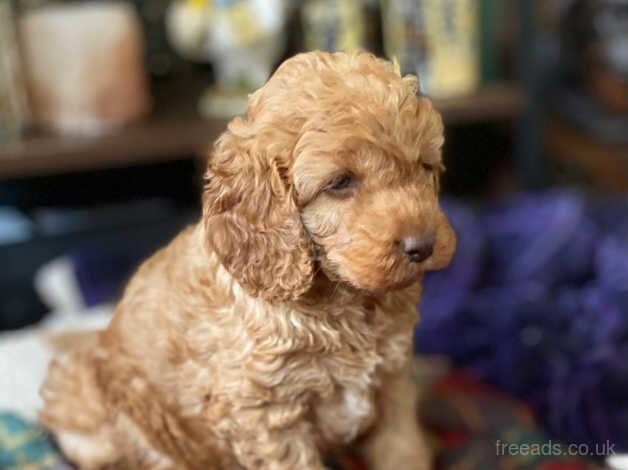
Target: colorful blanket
{"points": [[471, 427], [25, 446]]}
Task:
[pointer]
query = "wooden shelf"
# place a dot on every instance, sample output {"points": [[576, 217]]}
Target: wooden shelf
{"points": [[176, 132], [602, 164], [152, 141], [493, 102]]}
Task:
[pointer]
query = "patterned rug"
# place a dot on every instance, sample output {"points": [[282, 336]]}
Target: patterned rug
{"points": [[470, 426]]}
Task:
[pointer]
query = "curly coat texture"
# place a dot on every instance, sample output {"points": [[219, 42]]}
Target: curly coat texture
{"points": [[279, 327]]}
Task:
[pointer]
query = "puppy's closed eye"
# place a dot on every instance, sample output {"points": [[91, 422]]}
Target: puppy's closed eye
{"points": [[342, 185], [437, 167]]}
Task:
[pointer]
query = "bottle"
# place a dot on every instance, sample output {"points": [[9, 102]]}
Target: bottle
{"points": [[437, 40]]}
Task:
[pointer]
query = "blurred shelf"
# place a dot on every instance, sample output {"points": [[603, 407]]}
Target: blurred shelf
{"points": [[603, 165], [493, 102], [175, 132], [158, 139]]}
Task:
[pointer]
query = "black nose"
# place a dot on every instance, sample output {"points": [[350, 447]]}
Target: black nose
{"points": [[418, 250]]}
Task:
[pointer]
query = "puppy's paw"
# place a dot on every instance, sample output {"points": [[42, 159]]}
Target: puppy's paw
{"points": [[413, 461], [399, 452]]}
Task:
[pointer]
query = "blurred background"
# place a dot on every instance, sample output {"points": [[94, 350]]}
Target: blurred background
{"points": [[107, 110]]}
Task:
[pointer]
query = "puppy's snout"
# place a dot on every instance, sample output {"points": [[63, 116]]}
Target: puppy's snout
{"points": [[418, 249]]}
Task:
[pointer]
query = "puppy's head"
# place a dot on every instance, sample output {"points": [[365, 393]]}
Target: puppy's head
{"points": [[335, 168]]}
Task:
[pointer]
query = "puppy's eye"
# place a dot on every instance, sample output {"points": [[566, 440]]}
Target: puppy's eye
{"points": [[342, 184], [427, 166]]}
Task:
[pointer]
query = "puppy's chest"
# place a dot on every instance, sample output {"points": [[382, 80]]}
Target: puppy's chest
{"points": [[345, 406]]}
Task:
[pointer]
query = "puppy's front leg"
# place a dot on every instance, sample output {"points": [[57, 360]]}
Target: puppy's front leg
{"points": [[396, 441], [279, 449]]}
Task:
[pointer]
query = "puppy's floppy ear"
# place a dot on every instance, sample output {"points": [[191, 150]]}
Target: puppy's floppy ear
{"points": [[252, 221]]}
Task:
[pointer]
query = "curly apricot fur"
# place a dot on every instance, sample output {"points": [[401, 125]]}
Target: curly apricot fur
{"points": [[280, 326]]}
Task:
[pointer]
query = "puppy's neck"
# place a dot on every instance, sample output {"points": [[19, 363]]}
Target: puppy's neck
{"points": [[332, 292]]}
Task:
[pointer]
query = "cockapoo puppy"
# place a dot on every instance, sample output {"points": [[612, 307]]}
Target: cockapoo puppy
{"points": [[279, 328]]}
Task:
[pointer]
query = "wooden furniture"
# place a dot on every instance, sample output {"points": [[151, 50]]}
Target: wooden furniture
{"points": [[175, 131], [604, 165]]}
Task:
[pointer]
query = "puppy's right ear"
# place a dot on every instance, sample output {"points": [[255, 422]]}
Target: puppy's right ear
{"points": [[251, 219]]}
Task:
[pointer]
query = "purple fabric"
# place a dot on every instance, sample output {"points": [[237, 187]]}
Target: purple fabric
{"points": [[547, 316], [544, 237]]}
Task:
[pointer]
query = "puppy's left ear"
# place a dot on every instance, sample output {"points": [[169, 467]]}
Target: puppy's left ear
{"points": [[252, 222]]}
